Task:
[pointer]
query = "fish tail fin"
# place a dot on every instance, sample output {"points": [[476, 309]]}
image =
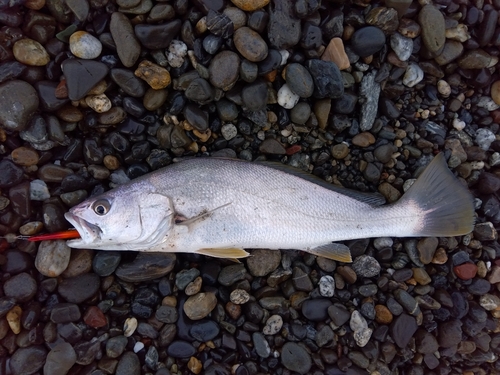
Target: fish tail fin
{"points": [[444, 207]]}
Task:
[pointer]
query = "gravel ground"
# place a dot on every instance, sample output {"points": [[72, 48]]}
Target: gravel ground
{"points": [[361, 93]]}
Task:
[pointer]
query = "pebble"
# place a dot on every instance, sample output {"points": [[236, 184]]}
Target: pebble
{"points": [[18, 102], [250, 44], [30, 52], [13, 318], [229, 131], [94, 317], [22, 287], [146, 267], [402, 329], [316, 309], [283, 29], [250, 5], [335, 52], [128, 364], [369, 95], [156, 76], [80, 288], [433, 31], [367, 41], [273, 325], [99, 103], [326, 286], [28, 360], [129, 326], [223, 70], [328, 82], [84, 45], [127, 45], [52, 257], [60, 359], [177, 51], [271, 146], [383, 315], [239, 296], [299, 80], [465, 271], [255, 96], [449, 333], [200, 305], [413, 75], [286, 97], [181, 349], [295, 358], [402, 46], [263, 262], [82, 75]]}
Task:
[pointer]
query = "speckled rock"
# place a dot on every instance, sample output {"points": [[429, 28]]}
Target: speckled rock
{"points": [[18, 102], [52, 257]]}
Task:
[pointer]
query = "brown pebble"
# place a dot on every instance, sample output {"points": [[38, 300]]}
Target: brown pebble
{"points": [[233, 310], [156, 76], [421, 276], [193, 287], [34, 4], [495, 92], [194, 365], [383, 314], [69, 113], [24, 156], [14, 319], [440, 256], [111, 162], [250, 5], [30, 52], [61, 90], [348, 274], [340, 151], [112, 117], [335, 52], [364, 139]]}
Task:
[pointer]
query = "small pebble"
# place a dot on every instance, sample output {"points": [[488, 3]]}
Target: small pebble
{"points": [[84, 45]]}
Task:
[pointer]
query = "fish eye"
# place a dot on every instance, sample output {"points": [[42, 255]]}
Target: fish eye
{"points": [[101, 207]]}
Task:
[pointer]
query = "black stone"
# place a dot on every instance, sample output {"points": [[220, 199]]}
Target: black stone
{"points": [[327, 78], [157, 36], [82, 75], [367, 41]]}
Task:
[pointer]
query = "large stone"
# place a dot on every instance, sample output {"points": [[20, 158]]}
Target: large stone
{"points": [[18, 102]]}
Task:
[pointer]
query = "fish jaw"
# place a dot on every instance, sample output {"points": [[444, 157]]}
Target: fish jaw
{"points": [[89, 233]]}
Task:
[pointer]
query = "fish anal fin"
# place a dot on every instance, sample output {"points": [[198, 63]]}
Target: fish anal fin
{"points": [[334, 251], [230, 253]]}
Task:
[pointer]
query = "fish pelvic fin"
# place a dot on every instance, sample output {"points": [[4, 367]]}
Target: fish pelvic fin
{"points": [[334, 251], [443, 205], [230, 253]]}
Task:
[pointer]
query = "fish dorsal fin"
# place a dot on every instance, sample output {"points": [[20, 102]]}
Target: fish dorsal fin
{"points": [[231, 253], [334, 251], [374, 199]]}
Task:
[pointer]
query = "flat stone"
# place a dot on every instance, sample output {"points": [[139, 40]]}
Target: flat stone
{"points": [[128, 364], [21, 287], [433, 29], [263, 262], [157, 36], [402, 329], [284, 29], [27, 361], [127, 45], [60, 359], [300, 80], [80, 288], [223, 70], [295, 358], [82, 76], [200, 305]]}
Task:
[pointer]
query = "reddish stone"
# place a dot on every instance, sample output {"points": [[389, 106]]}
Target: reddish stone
{"points": [[61, 90], [94, 317], [293, 149], [495, 115], [4, 245], [465, 271]]}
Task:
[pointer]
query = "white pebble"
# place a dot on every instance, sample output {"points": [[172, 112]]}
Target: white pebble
{"points": [[484, 138], [287, 98], [357, 321], [39, 190], [284, 56], [229, 131], [239, 296], [495, 159], [177, 50], [444, 88], [84, 45], [402, 46], [273, 325], [129, 327], [458, 124], [99, 103], [326, 286], [407, 184], [138, 347], [413, 75], [362, 336], [487, 103]]}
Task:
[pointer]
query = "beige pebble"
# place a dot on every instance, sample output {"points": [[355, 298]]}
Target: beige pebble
{"points": [[444, 88], [99, 103], [31, 228], [99, 88], [364, 139], [129, 326], [239, 296], [30, 52], [335, 52], [14, 319], [169, 301], [194, 286], [111, 162]]}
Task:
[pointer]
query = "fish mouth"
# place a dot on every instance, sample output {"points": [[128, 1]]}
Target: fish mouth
{"points": [[89, 233]]}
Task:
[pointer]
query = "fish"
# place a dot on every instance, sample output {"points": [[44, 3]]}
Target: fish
{"points": [[224, 207]]}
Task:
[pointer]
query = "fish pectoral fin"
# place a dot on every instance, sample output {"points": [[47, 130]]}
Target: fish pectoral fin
{"points": [[231, 253], [203, 215], [334, 251]]}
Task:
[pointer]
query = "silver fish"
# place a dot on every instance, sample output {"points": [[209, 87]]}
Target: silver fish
{"points": [[220, 207]]}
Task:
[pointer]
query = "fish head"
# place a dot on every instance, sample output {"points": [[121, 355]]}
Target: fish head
{"points": [[122, 219]]}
